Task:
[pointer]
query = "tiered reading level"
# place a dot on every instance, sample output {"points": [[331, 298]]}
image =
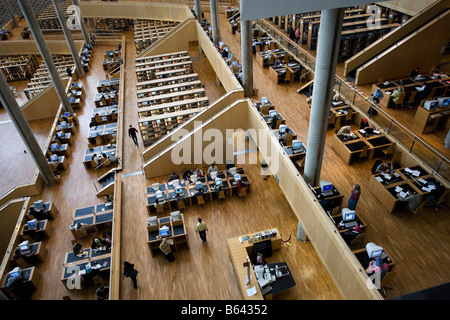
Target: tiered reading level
{"points": [[147, 32], [18, 67], [168, 94]]}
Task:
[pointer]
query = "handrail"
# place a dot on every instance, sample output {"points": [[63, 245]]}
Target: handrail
{"points": [[264, 23]]}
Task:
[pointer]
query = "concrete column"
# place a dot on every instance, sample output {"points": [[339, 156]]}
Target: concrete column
{"points": [[82, 24], [325, 69], [21, 124], [214, 8], [11, 13], [68, 35], [45, 53], [247, 57], [198, 10]]}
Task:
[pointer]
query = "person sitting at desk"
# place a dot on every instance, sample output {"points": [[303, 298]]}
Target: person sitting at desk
{"points": [[378, 266], [345, 130], [260, 260], [422, 92], [364, 124], [351, 234], [199, 172], [395, 95], [414, 73], [19, 255], [96, 158], [273, 122], [384, 168], [240, 184], [436, 70], [40, 214], [165, 248], [93, 123], [174, 176], [412, 200], [212, 168], [375, 166], [96, 243], [337, 97], [78, 249], [377, 95], [278, 63], [102, 293], [187, 174]]}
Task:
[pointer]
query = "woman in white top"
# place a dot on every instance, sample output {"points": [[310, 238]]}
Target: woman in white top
{"points": [[212, 168]]}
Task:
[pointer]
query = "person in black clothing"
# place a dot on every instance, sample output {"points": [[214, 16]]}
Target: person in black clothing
{"points": [[132, 133], [414, 73], [69, 71], [130, 272], [93, 123], [422, 92]]}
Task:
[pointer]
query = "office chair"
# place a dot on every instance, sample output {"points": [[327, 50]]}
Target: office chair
{"points": [[359, 238], [388, 151], [200, 200], [243, 192], [22, 263], [181, 205], [288, 77], [438, 204], [419, 208], [386, 282], [221, 195], [400, 100], [363, 153], [159, 208]]}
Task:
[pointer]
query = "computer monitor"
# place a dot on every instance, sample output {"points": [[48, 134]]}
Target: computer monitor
{"points": [[431, 104], [198, 185], [218, 181], [55, 146], [32, 223], [54, 158], [179, 190], [272, 113], [159, 194], [67, 114], [325, 186], [38, 204], [63, 124], [59, 134], [348, 215], [373, 251], [164, 231], [264, 100], [15, 273], [234, 63], [237, 177], [24, 246], [282, 129], [444, 102], [175, 215], [296, 144]]}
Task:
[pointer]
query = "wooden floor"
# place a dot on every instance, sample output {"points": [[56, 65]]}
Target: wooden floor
{"points": [[419, 244]]}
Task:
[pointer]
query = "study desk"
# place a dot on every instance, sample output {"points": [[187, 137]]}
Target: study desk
{"points": [[364, 260], [386, 190], [331, 201], [38, 253], [62, 138], [61, 150], [281, 136], [88, 162], [43, 231], [164, 61], [177, 233], [426, 121], [176, 95], [286, 72], [49, 207], [96, 216], [30, 276], [342, 227], [105, 114], [168, 88], [155, 83], [283, 282], [240, 251], [99, 264], [280, 120], [102, 133], [296, 154]]}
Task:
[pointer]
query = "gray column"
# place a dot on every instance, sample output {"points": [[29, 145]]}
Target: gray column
{"points": [[21, 124], [68, 35], [198, 10], [324, 79], [214, 8], [11, 13], [45, 53], [247, 57], [82, 24]]}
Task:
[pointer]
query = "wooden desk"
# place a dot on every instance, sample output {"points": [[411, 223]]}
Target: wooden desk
{"points": [[177, 233], [49, 207], [43, 231], [96, 216], [38, 253], [239, 254], [335, 199], [426, 121], [101, 263], [31, 277], [364, 260], [88, 162], [346, 149]]}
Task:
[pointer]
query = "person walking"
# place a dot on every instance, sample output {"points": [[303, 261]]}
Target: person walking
{"points": [[354, 197], [132, 133], [201, 228], [130, 272], [69, 71]]}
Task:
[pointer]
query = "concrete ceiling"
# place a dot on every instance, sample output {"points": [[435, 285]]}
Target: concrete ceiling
{"points": [[256, 9]]}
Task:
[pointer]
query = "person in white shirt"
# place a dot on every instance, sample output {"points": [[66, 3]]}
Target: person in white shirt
{"points": [[212, 168], [201, 228]]}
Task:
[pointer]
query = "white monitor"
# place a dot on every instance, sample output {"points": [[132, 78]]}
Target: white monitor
{"points": [[218, 181], [179, 190], [373, 251], [175, 183], [164, 231], [264, 100], [24, 246], [38, 204], [272, 113], [152, 221], [325, 186], [214, 175], [233, 170], [348, 215], [199, 185], [431, 104], [237, 177], [175, 215], [296, 144], [155, 186], [32, 223], [63, 124], [444, 102], [282, 129], [159, 194], [55, 146], [194, 178], [53, 158]]}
